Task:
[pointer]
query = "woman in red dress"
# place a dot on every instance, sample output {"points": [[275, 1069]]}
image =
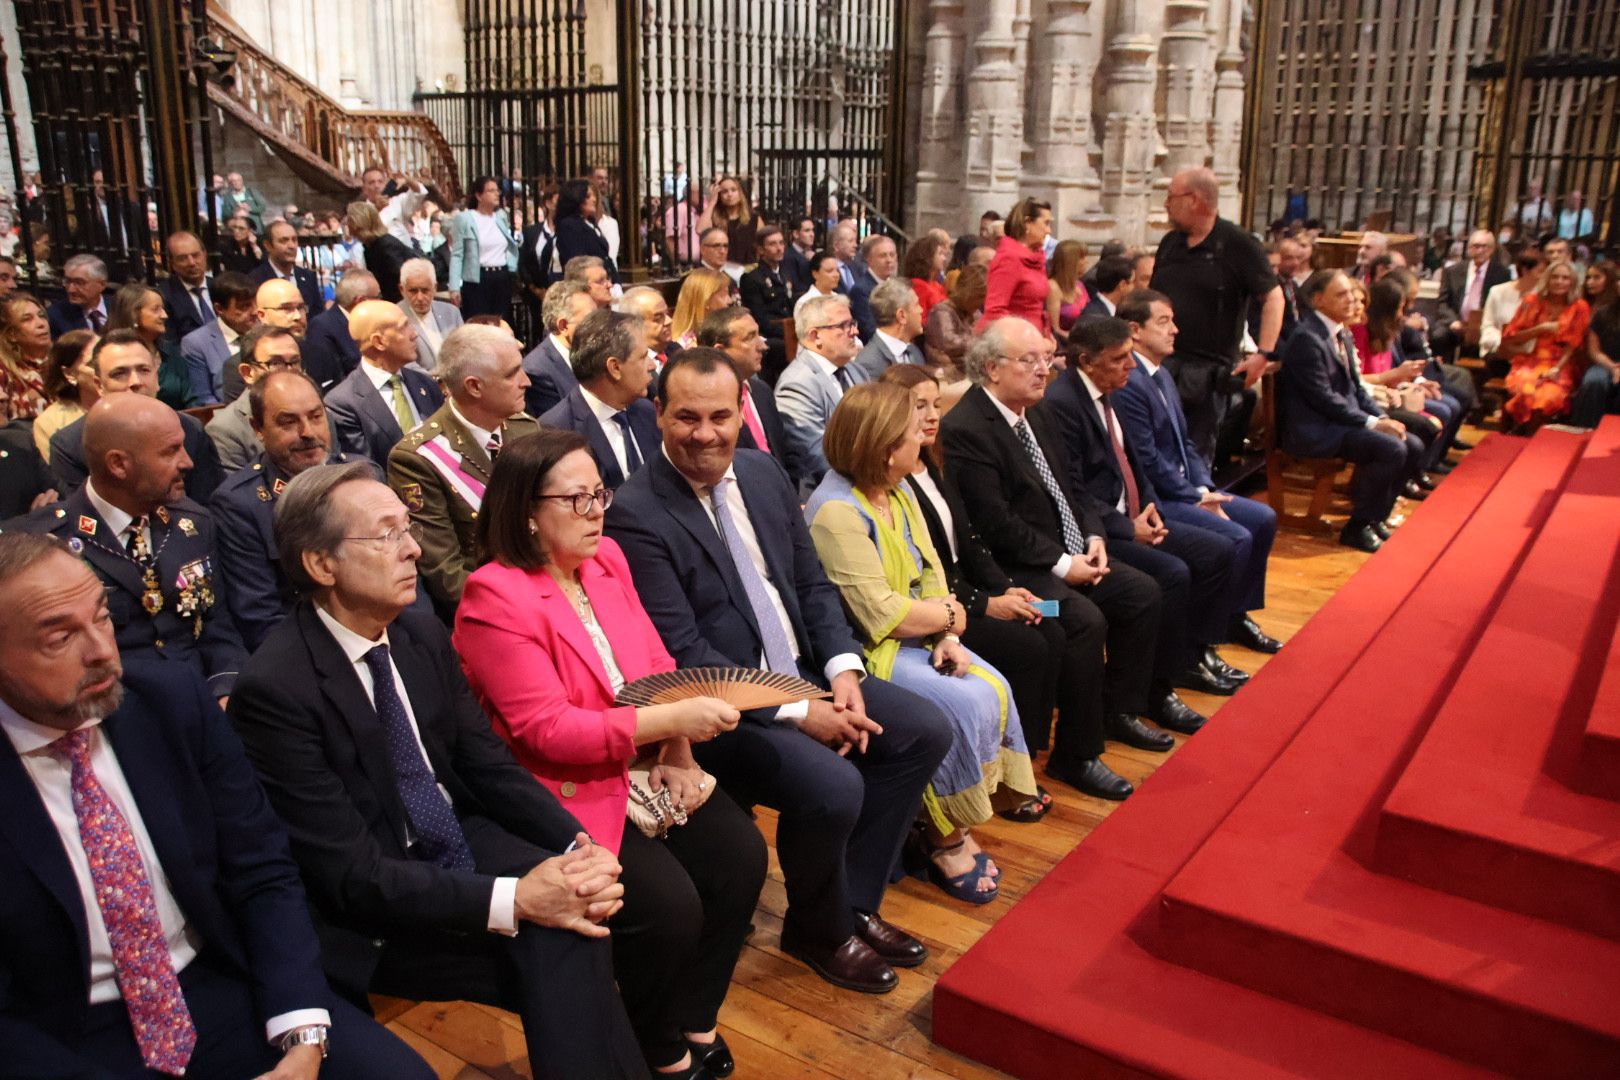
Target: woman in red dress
{"points": [[1017, 282], [1553, 319]]}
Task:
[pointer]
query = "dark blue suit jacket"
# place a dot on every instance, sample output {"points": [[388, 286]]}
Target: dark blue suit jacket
{"points": [[769, 418], [1156, 431], [65, 315], [330, 351], [1318, 399], [860, 300], [222, 849], [183, 317], [1095, 309], [363, 422], [573, 414], [688, 582], [1093, 468], [550, 378], [309, 286]]}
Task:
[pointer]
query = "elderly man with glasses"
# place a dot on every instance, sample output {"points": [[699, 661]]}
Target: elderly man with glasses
{"points": [[811, 387]]}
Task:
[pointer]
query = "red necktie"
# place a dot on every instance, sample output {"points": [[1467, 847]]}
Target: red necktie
{"points": [[1133, 497], [751, 418], [141, 961]]}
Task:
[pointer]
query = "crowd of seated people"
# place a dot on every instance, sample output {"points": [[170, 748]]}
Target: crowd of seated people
{"points": [[415, 561]]}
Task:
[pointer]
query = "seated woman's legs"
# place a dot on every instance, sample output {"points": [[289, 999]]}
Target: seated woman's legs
{"points": [[1593, 397]]}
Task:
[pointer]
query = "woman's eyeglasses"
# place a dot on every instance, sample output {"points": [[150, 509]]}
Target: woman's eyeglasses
{"points": [[582, 501]]}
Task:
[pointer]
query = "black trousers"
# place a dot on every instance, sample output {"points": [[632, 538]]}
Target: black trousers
{"points": [[1119, 614], [1383, 466], [230, 1035], [1031, 659], [490, 295], [560, 982], [842, 819], [1208, 390], [688, 903]]}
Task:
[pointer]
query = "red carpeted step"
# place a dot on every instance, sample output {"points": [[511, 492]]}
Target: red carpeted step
{"points": [[1599, 771], [1484, 809], [1069, 983], [1281, 898]]}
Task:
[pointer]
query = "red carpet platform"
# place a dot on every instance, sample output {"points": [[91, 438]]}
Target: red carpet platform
{"points": [[1395, 854]]}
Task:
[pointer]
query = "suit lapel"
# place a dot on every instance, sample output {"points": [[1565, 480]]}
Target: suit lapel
{"points": [[372, 400], [1012, 447], [685, 508], [585, 420], [417, 672], [27, 826], [609, 616]]}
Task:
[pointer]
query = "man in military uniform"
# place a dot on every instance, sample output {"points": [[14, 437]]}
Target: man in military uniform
{"points": [[151, 546], [440, 469], [261, 350]]}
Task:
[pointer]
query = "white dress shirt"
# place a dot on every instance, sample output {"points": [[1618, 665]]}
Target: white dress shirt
{"points": [[808, 295], [491, 240], [1061, 567], [936, 498], [52, 777], [1118, 436], [616, 435], [402, 206], [429, 326], [379, 378], [117, 521], [827, 368], [503, 898], [896, 347], [794, 711]]}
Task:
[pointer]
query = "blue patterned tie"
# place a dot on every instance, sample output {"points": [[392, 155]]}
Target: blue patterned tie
{"points": [[632, 455], [438, 832], [1161, 379], [778, 652], [1074, 541]]}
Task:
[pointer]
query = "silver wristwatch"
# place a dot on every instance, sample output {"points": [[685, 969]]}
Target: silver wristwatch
{"points": [[312, 1035]]}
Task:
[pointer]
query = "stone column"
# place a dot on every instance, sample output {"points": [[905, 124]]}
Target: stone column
{"points": [[1186, 89], [995, 127], [1131, 147], [939, 159], [1060, 80], [1226, 133]]}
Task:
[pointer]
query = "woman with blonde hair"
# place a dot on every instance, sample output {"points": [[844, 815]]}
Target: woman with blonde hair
{"points": [[25, 343], [1066, 297], [1553, 321], [702, 291], [875, 547], [728, 208], [384, 252]]}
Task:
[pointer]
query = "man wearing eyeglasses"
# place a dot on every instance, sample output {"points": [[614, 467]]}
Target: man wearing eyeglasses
{"points": [[122, 363], [811, 387], [262, 350], [279, 304], [714, 250], [440, 469], [438, 868]]}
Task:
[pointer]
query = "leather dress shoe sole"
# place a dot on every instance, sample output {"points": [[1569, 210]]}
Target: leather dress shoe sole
{"points": [[852, 966], [896, 947], [1125, 728]]}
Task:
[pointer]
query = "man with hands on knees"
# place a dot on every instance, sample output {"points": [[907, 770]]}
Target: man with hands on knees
{"points": [[438, 867], [139, 851]]}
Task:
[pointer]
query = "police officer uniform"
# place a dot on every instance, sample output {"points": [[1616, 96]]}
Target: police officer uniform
{"points": [[165, 593]]}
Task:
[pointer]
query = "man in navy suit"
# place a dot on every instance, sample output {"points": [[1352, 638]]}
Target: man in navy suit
{"points": [[1149, 410], [139, 850], [796, 258], [1324, 411], [281, 261], [84, 277], [185, 291], [330, 351], [210, 350], [734, 332], [1193, 567], [1112, 282], [551, 376], [879, 260], [609, 406], [724, 564], [382, 398]]}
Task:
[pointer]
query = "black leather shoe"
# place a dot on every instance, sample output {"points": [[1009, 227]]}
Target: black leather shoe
{"points": [[715, 1056], [1125, 728], [1382, 529], [1199, 677], [1426, 482], [890, 942], [1414, 492], [693, 1071], [1247, 633], [1360, 537], [853, 965], [1461, 444], [1093, 778], [1176, 715], [1222, 669], [1441, 467]]}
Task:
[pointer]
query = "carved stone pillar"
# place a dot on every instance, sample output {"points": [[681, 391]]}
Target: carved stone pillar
{"points": [[1060, 79], [1226, 133], [995, 125], [1131, 146], [1186, 85], [939, 160]]}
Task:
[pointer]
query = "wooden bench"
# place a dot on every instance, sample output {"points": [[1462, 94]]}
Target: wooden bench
{"points": [[1285, 471]]}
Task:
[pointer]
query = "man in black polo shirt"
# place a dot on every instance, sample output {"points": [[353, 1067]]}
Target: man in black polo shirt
{"points": [[1212, 271]]}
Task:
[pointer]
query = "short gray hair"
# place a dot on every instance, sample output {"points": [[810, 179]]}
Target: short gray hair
{"points": [[600, 335], [559, 302], [987, 348], [576, 268], [469, 349], [812, 314], [635, 300], [411, 267], [351, 287], [304, 520], [89, 263], [889, 297]]}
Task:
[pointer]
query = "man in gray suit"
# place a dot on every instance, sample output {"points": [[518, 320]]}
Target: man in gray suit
{"points": [[548, 366], [262, 350], [433, 319], [898, 313], [813, 385], [385, 396], [212, 347]]}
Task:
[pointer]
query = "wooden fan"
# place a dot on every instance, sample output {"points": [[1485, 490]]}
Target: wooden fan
{"points": [[741, 688]]}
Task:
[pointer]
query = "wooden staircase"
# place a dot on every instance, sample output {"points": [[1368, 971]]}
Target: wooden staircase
{"points": [[325, 144]]}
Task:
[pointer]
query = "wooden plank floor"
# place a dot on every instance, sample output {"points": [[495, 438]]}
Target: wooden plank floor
{"points": [[782, 1021]]}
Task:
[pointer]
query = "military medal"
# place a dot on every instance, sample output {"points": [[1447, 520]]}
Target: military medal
{"points": [[187, 527], [264, 496], [152, 598]]}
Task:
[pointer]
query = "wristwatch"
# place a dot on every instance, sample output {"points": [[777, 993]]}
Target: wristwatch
{"points": [[311, 1035]]}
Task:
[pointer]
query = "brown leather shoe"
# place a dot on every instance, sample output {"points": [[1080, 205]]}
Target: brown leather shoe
{"points": [[852, 965], [890, 942]]}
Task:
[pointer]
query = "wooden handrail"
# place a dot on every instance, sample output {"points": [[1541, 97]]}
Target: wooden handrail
{"points": [[288, 107]]}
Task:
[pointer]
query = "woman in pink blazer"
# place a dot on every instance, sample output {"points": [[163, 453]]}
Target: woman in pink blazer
{"points": [[548, 630]]}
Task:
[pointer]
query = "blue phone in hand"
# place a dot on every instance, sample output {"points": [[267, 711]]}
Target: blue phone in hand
{"points": [[1048, 608]]}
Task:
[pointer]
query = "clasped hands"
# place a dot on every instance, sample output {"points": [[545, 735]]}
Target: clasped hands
{"points": [[578, 890], [1150, 527], [841, 724]]}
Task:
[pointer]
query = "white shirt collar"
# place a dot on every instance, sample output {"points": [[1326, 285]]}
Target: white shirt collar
{"points": [[480, 436], [378, 376], [822, 364], [1146, 365], [114, 518], [1007, 414], [700, 490], [1091, 387], [599, 408], [896, 347], [1333, 328], [561, 346], [26, 736], [354, 646], [1107, 303], [229, 334]]}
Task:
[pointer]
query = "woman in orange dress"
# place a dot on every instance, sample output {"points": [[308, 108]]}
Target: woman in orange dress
{"points": [[1553, 319]]}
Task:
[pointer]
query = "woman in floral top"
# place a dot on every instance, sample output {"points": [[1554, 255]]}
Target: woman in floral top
{"points": [[25, 344]]}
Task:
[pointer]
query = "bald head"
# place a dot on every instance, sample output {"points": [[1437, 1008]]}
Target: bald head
{"points": [[386, 337], [281, 304], [135, 449], [1192, 199], [649, 305]]}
